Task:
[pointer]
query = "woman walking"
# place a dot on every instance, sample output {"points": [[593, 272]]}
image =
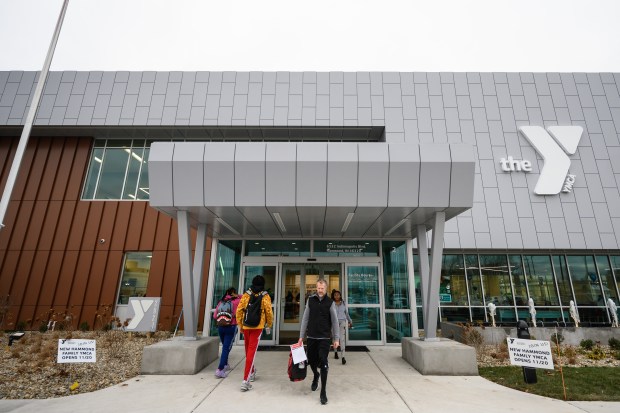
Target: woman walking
{"points": [[344, 321]]}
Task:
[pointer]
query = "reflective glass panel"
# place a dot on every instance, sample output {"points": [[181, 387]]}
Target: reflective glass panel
{"points": [[563, 279], [93, 173], [478, 314], [607, 278], [585, 280], [615, 265], [112, 174], [143, 184], [118, 170], [227, 269], [366, 324], [518, 280], [455, 314], [135, 276], [397, 326], [472, 270], [133, 172], [540, 280], [452, 285], [363, 284], [396, 277], [416, 277], [496, 279]]}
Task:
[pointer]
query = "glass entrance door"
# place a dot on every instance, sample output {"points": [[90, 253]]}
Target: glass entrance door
{"points": [[363, 299], [298, 283], [270, 272]]}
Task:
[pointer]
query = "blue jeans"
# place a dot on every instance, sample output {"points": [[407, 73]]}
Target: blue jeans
{"points": [[227, 337]]}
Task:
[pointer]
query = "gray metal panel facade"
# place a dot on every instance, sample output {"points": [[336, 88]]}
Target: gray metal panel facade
{"points": [[482, 109]]}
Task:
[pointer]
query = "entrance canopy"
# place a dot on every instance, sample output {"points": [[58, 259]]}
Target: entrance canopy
{"points": [[311, 189]]}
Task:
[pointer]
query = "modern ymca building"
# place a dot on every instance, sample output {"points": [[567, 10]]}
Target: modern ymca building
{"points": [[181, 184]]}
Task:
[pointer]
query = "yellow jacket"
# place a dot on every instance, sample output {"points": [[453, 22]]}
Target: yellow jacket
{"points": [[266, 318]]}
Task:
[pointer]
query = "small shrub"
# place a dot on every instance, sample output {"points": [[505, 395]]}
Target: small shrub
{"points": [[557, 338], [614, 343], [570, 352], [617, 355], [84, 326], [20, 326], [586, 344], [43, 327], [596, 353]]}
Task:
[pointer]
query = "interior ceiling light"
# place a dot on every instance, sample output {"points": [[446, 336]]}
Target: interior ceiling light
{"points": [[347, 221], [276, 216], [231, 229], [395, 227]]}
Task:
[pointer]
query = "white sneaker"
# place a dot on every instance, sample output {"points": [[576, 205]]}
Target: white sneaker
{"points": [[253, 376], [245, 386]]}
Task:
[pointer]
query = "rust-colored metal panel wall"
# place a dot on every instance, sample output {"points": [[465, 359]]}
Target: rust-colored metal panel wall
{"points": [[51, 256]]}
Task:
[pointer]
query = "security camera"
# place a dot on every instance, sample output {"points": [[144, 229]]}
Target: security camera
{"points": [[102, 241]]}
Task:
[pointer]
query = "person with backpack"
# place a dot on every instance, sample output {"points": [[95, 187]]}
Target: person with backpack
{"points": [[253, 314], [319, 324], [226, 320], [344, 321]]}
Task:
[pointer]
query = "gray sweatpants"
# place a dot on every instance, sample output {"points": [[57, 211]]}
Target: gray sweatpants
{"points": [[342, 324]]}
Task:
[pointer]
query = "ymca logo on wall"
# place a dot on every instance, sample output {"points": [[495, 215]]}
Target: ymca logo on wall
{"points": [[554, 145]]}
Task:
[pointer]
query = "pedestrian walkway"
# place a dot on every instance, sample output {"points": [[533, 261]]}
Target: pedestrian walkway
{"points": [[376, 381]]}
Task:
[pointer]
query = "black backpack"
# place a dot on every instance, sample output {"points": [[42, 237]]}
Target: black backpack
{"points": [[253, 310]]}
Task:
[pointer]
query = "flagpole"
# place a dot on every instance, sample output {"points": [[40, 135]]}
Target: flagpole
{"points": [[32, 112]]}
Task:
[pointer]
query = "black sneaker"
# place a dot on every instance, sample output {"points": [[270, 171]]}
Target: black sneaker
{"points": [[323, 398], [336, 355], [344, 361], [315, 382]]}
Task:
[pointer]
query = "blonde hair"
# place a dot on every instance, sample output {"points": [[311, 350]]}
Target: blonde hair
{"points": [[322, 281]]}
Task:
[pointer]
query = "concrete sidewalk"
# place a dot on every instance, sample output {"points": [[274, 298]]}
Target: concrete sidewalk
{"points": [[379, 380]]}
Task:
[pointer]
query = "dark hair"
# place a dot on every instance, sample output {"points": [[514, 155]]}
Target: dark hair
{"points": [[258, 283], [334, 291], [230, 291]]}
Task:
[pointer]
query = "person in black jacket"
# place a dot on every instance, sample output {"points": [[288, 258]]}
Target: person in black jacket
{"points": [[319, 324]]}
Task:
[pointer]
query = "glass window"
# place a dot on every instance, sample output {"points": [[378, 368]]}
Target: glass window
{"points": [[585, 280], [227, 269], [396, 277], [472, 270], [455, 314], [416, 277], [478, 314], [117, 170], [397, 326], [540, 280], [346, 248], [615, 266], [496, 279], [452, 285], [363, 285], [563, 279], [607, 279], [518, 280], [135, 276], [277, 248], [366, 325]]}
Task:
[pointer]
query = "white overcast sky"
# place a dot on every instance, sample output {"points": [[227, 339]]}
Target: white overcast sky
{"points": [[318, 35]]}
